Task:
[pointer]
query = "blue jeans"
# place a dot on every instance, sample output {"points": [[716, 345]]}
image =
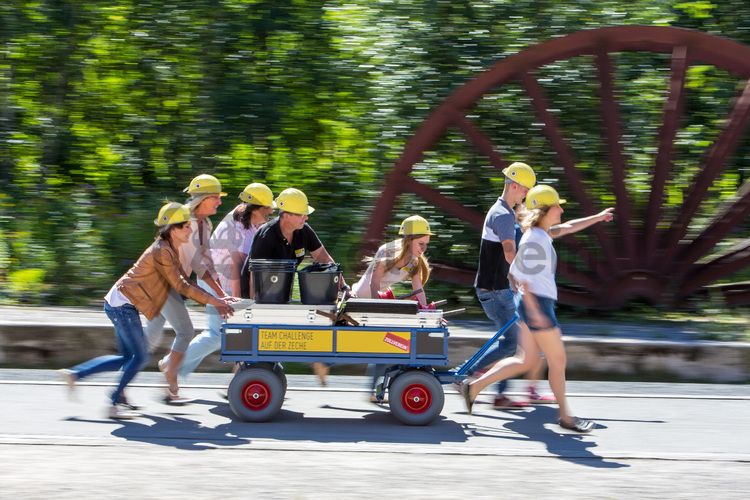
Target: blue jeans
{"points": [[131, 343], [205, 343], [499, 306]]}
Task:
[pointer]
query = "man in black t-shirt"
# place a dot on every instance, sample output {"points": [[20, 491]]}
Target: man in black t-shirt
{"points": [[289, 237], [496, 252]]}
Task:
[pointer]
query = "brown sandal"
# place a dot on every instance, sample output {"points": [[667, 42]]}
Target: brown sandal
{"points": [[466, 393]]}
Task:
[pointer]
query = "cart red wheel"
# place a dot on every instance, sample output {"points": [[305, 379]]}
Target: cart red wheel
{"points": [[256, 394], [416, 397]]}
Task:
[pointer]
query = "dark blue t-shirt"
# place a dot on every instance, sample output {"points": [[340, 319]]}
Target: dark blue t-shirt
{"points": [[499, 225]]}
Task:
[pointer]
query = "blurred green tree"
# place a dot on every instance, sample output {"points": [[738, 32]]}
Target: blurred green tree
{"points": [[109, 108]]}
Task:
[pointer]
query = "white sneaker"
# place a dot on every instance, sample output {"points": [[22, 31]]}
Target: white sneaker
{"points": [[120, 412], [69, 377]]}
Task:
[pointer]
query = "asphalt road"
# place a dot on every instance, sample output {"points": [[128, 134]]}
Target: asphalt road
{"points": [[651, 441]]}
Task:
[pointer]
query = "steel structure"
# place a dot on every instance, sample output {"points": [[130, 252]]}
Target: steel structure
{"points": [[632, 264]]}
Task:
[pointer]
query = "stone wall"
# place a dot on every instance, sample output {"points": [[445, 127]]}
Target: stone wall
{"points": [[58, 346]]}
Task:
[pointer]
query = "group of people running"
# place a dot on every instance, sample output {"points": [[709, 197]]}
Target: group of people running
{"points": [[516, 273], [157, 285]]}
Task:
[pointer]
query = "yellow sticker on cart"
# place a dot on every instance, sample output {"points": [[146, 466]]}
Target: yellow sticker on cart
{"points": [[378, 342], [277, 339]]}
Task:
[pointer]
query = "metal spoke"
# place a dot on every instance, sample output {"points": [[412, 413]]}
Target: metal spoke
{"points": [[717, 156], [552, 131], [670, 123], [718, 268], [480, 141], [726, 220], [438, 199], [613, 137]]}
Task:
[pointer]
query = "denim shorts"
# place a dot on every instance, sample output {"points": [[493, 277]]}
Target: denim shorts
{"points": [[547, 306]]}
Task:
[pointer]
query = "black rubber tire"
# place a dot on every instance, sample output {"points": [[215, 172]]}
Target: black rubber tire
{"points": [[416, 397], [279, 371], [256, 394]]}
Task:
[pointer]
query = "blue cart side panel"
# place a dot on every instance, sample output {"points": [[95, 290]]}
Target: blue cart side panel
{"points": [[334, 344]]}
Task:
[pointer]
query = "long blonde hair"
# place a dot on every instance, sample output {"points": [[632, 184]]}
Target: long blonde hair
{"points": [[533, 217], [422, 267]]}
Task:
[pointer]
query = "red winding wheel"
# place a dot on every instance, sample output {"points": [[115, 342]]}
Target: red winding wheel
{"points": [[661, 256]]}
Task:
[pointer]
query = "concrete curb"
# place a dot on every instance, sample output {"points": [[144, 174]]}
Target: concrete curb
{"points": [[50, 345]]}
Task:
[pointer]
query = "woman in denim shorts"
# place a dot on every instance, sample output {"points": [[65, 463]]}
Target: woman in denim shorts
{"points": [[533, 270]]}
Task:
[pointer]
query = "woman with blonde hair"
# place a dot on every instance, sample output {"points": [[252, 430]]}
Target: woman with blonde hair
{"points": [[396, 261], [399, 260], [533, 270]]}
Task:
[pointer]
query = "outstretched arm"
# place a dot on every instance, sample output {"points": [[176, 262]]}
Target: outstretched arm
{"points": [[576, 225]]}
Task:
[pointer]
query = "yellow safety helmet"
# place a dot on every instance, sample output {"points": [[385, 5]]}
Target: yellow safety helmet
{"points": [[415, 225], [542, 196], [204, 184], [293, 201], [172, 213], [521, 173], [258, 194]]}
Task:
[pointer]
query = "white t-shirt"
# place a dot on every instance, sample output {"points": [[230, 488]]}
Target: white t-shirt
{"points": [[536, 262], [230, 236], [195, 255], [387, 251], [115, 298]]}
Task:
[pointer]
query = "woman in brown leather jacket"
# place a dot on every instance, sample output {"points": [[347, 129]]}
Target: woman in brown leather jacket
{"points": [[144, 289]]}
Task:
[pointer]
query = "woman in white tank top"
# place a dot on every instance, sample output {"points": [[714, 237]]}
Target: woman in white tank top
{"points": [[397, 261], [394, 262]]}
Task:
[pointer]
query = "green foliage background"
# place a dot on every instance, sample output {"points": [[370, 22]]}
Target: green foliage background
{"points": [[107, 108]]}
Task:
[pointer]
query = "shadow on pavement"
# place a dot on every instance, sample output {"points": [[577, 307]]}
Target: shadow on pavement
{"points": [[566, 445], [371, 426], [174, 429]]}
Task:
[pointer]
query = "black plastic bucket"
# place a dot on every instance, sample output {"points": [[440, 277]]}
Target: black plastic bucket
{"points": [[272, 280], [319, 283]]}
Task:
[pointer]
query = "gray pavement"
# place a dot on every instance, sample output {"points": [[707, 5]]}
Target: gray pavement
{"points": [[651, 441]]}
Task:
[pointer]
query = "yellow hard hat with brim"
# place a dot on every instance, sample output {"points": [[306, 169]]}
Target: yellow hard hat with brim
{"points": [[172, 213], [293, 201], [415, 225], [258, 194], [521, 173], [204, 184], [542, 196]]}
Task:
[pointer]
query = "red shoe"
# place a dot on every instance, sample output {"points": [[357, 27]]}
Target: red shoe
{"points": [[540, 399], [502, 402]]}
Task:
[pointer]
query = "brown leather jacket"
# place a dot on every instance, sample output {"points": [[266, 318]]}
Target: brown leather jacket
{"points": [[157, 270]]}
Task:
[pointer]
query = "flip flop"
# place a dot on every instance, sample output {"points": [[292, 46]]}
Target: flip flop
{"points": [[465, 392], [578, 425], [173, 398]]}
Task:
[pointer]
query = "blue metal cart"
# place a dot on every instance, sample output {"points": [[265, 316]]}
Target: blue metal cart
{"points": [[412, 383]]}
